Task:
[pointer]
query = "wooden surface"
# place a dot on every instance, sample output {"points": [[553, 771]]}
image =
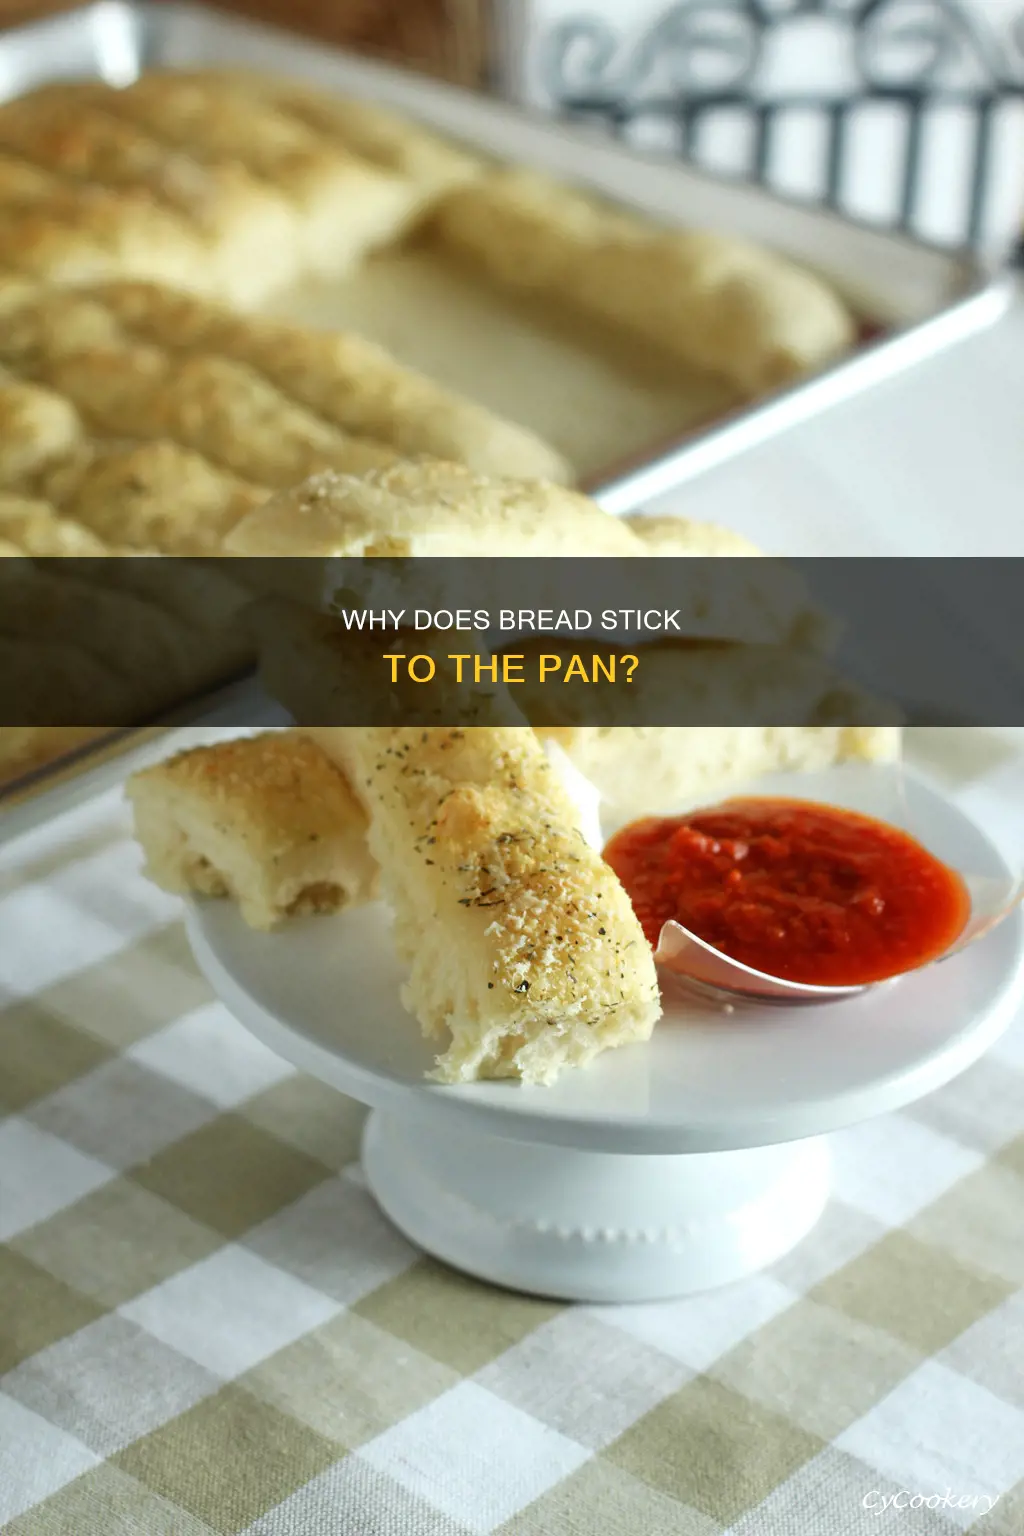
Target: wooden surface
{"points": [[13, 11], [443, 37]]}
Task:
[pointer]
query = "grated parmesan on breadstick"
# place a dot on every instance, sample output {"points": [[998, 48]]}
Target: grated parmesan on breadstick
{"points": [[522, 946]]}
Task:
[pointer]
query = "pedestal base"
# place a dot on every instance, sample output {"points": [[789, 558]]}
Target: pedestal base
{"points": [[593, 1226]]}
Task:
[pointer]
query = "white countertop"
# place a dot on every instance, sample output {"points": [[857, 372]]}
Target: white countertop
{"points": [[930, 463]]}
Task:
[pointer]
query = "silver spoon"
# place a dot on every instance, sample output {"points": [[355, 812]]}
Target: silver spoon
{"points": [[713, 973]]}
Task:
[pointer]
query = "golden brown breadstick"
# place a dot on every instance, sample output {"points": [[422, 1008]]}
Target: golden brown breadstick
{"points": [[524, 954], [269, 820]]}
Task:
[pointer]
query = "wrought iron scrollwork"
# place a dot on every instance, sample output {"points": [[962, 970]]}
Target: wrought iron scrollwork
{"points": [[905, 44], [701, 55], [585, 59]]}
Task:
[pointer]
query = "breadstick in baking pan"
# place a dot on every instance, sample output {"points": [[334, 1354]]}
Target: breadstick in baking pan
{"points": [[212, 405], [714, 302], [524, 954], [40, 321], [343, 377], [523, 231], [383, 137], [158, 656], [37, 429], [346, 207], [83, 233], [720, 304], [330, 390], [26, 748], [150, 496], [29, 526], [43, 678], [268, 820], [248, 232]]}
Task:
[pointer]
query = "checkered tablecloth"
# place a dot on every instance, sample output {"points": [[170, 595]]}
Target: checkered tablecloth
{"points": [[207, 1326]]}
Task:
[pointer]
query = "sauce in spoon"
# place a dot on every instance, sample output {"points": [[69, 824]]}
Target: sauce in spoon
{"points": [[799, 890]]}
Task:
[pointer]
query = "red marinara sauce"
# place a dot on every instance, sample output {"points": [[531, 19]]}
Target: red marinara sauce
{"points": [[799, 890]]}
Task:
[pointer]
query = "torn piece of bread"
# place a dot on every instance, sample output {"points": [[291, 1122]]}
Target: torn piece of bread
{"points": [[524, 953], [712, 301], [429, 508], [269, 820]]}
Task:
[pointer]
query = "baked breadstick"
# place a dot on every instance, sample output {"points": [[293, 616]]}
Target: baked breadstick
{"points": [[770, 605], [344, 207], [80, 233], [149, 496], [429, 508], [713, 301], [437, 509], [212, 405], [524, 953], [26, 748], [37, 428], [322, 672], [384, 138], [42, 680], [32, 527], [271, 400], [269, 820], [648, 769], [245, 231], [347, 380], [667, 535]]}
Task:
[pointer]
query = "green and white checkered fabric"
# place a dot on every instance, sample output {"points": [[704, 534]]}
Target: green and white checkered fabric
{"points": [[207, 1326]]}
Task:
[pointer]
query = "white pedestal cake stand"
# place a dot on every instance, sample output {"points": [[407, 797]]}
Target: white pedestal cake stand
{"points": [[659, 1170]]}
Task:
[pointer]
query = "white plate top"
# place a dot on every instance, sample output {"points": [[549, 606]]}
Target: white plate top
{"points": [[324, 993]]}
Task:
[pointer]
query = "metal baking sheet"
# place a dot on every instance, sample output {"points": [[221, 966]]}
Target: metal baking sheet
{"points": [[922, 298]]}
